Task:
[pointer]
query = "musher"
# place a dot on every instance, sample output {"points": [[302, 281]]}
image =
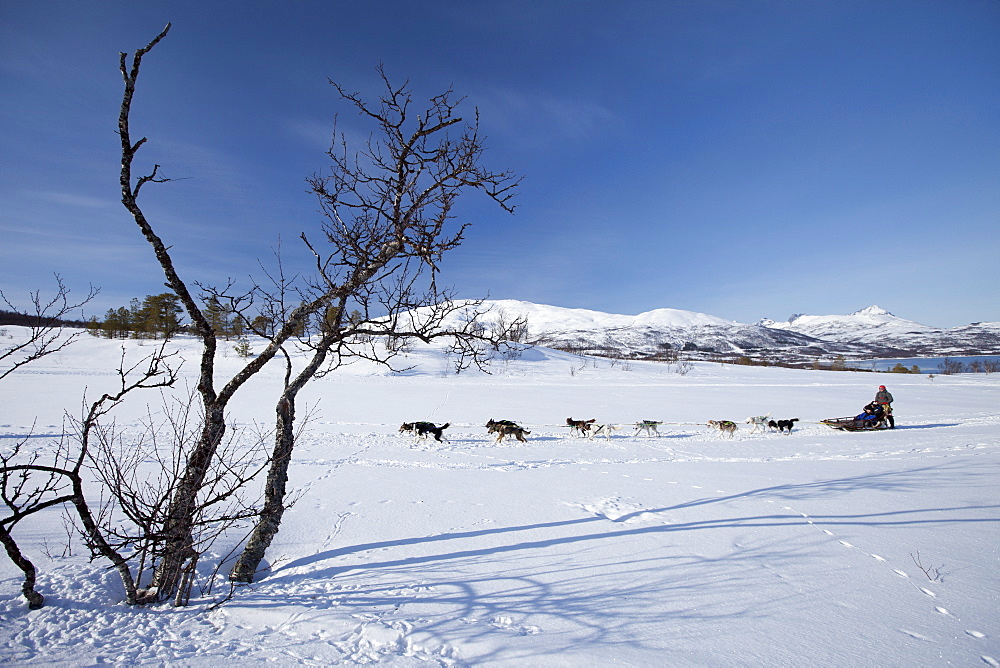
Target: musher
{"points": [[884, 399]]}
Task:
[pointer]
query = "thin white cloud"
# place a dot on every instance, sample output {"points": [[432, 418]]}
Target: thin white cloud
{"points": [[317, 134], [75, 200], [544, 115], [577, 120]]}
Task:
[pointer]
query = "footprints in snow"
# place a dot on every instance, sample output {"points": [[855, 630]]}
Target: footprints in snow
{"points": [[845, 543], [851, 546], [618, 510], [505, 623], [903, 575]]}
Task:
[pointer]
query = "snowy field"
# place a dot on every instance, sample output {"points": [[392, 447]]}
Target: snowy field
{"points": [[682, 549]]}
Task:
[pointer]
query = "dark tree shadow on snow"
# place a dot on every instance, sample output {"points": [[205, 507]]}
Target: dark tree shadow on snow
{"points": [[566, 573]]}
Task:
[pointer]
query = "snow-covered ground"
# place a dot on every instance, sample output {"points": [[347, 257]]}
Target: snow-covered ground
{"points": [[682, 549]]}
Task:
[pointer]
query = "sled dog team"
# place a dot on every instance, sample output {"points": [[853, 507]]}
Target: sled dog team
{"points": [[589, 428], [880, 407]]}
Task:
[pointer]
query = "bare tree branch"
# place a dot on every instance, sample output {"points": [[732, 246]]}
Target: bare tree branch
{"points": [[46, 333], [388, 210]]}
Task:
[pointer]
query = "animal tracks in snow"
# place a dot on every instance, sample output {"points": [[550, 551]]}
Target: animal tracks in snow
{"points": [[940, 610], [621, 509], [506, 623], [808, 520]]}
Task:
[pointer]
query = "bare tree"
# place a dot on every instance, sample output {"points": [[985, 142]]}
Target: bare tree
{"points": [[176, 551], [388, 210], [29, 485], [25, 491], [949, 366]]}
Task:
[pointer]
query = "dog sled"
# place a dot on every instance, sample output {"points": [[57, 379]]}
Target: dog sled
{"points": [[874, 416], [853, 423]]}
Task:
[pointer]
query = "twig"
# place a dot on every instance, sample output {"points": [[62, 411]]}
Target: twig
{"points": [[933, 573]]}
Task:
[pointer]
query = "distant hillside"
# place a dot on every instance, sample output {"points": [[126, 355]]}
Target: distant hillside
{"points": [[664, 333]]}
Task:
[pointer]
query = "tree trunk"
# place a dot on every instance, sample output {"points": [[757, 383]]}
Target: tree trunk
{"points": [[35, 600], [178, 543], [269, 520]]}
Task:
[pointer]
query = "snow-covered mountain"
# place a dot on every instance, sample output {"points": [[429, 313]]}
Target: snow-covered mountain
{"points": [[870, 332], [869, 324], [876, 327]]}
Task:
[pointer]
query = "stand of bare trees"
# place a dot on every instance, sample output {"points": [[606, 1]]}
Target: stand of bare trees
{"points": [[388, 210], [388, 221]]}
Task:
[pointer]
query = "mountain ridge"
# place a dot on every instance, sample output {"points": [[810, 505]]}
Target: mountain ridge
{"points": [[870, 332]]}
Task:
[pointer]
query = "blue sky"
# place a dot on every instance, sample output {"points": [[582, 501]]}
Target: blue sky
{"points": [[744, 159]]}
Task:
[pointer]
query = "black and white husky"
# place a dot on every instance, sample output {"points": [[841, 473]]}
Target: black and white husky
{"points": [[424, 429], [782, 425]]}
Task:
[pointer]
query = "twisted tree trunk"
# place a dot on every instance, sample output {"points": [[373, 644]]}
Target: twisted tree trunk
{"points": [[35, 600], [269, 520]]}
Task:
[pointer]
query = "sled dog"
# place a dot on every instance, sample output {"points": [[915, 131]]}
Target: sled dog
{"points": [[506, 428], [782, 425], [724, 426], [604, 430], [648, 426], [424, 429], [579, 427], [758, 422]]}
